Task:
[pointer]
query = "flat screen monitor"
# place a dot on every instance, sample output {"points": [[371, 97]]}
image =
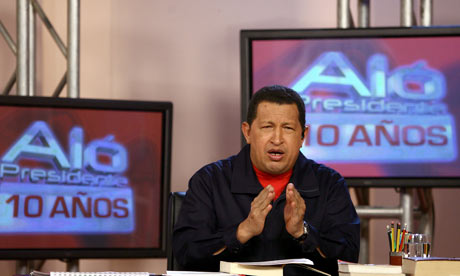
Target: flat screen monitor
{"points": [[383, 104], [83, 178]]}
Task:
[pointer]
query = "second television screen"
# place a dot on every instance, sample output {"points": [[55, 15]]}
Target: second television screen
{"points": [[83, 178], [376, 106]]}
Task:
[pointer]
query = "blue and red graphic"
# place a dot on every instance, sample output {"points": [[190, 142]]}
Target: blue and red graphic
{"points": [[375, 107], [80, 178], [83, 188]]}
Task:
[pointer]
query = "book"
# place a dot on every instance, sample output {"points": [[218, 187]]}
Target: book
{"points": [[106, 273], [369, 274], [196, 273], [267, 268], [369, 269], [431, 266]]}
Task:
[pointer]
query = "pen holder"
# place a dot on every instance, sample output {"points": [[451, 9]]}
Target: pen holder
{"points": [[396, 258]]}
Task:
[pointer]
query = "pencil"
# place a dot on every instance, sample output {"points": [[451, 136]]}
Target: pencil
{"points": [[389, 236], [398, 227], [392, 237], [401, 246]]}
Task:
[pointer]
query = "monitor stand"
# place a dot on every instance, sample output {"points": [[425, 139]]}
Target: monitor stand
{"points": [[72, 265], [24, 267]]}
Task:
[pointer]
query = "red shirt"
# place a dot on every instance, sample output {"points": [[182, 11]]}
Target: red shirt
{"points": [[278, 182]]}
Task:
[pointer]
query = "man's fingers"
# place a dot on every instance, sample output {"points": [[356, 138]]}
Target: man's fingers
{"points": [[293, 194], [261, 206], [266, 210], [264, 198], [253, 225], [295, 204], [264, 193]]}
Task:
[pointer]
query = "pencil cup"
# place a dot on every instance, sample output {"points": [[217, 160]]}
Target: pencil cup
{"points": [[418, 245], [396, 258]]}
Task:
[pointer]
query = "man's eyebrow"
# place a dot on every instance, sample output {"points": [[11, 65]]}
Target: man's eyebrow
{"points": [[267, 122], [282, 123]]}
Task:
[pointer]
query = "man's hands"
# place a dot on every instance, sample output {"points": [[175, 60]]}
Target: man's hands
{"points": [[253, 225], [294, 211]]}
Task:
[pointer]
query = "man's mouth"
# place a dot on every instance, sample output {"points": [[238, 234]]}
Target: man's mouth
{"points": [[275, 155]]}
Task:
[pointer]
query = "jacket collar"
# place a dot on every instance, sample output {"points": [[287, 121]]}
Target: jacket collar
{"points": [[244, 179]]}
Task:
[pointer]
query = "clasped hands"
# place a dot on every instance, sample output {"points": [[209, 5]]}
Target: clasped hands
{"points": [[294, 212]]}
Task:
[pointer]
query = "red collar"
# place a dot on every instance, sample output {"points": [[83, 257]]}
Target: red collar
{"points": [[278, 182]]}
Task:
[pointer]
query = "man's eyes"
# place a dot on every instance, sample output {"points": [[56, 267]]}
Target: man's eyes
{"points": [[285, 127]]}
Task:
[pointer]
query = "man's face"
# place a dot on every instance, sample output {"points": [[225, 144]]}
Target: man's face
{"points": [[275, 137]]}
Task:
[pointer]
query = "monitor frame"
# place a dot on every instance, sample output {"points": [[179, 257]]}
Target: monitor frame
{"points": [[250, 35], [166, 108]]}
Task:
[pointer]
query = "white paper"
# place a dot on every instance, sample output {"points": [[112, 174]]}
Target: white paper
{"points": [[196, 273], [279, 262]]}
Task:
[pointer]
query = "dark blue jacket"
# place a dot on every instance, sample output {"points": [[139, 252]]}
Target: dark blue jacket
{"points": [[219, 198]]}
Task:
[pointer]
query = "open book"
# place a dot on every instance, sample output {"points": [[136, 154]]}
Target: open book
{"points": [[267, 268]]}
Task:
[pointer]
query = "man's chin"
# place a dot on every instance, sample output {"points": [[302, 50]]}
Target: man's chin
{"points": [[276, 170]]}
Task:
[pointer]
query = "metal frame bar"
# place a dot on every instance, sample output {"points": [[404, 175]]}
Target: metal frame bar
{"points": [[6, 35], [343, 20], [22, 48], [364, 13], [9, 41], [60, 85], [407, 15], [73, 42], [344, 16], [31, 51], [10, 83], [38, 9], [426, 12]]}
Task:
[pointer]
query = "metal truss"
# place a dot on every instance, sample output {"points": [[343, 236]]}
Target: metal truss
{"points": [[25, 48], [407, 16]]}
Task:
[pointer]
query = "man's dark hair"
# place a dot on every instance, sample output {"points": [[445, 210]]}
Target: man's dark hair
{"points": [[276, 94]]}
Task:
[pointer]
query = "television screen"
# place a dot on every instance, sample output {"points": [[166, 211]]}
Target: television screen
{"points": [[383, 104], [82, 178]]}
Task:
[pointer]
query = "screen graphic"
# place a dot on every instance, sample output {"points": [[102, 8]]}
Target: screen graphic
{"points": [[376, 107], [80, 186], [81, 178]]}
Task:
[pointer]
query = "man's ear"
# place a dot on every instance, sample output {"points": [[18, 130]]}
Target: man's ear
{"points": [[305, 133], [246, 129]]}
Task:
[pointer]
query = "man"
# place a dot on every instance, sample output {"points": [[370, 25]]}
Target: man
{"points": [[269, 201]]}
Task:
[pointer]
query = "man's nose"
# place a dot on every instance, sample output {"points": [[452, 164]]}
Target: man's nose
{"points": [[277, 137]]}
